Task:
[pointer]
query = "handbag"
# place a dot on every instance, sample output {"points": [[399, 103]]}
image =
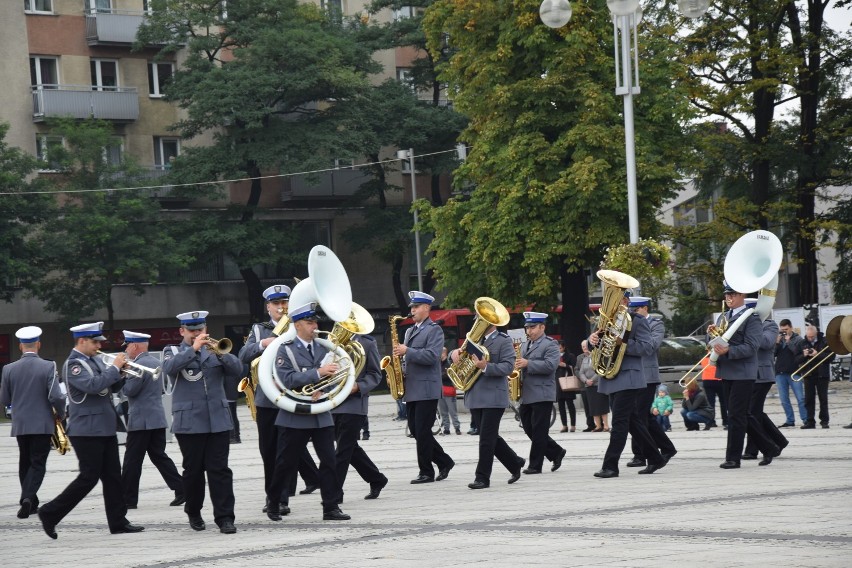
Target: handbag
{"points": [[449, 390], [570, 383]]}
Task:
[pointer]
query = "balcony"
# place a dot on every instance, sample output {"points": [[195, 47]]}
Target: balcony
{"points": [[81, 101], [113, 27], [334, 184]]}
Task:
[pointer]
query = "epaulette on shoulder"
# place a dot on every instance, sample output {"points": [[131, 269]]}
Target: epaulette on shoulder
{"points": [[268, 325], [289, 341], [502, 334]]}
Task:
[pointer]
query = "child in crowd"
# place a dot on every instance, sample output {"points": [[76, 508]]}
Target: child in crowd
{"points": [[662, 407]]}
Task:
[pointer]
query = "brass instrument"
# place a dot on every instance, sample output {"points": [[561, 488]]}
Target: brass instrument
{"points": [[515, 386], [392, 365], [131, 368], [248, 385], [59, 440], [614, 322], [464, 372], [838, 336], [220, 347], [713, 331]]}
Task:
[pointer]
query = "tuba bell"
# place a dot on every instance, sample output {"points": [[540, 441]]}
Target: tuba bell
{"points": [[613, 323], [464, 372]]}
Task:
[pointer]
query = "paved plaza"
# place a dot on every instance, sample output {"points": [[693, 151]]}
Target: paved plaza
{"points": [[795, 512]]}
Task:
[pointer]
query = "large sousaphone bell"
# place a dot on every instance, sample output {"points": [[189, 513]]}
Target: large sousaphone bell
{"points": [[327, 285]]}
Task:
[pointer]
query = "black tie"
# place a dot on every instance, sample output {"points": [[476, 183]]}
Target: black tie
{"points": [[310, 351]]}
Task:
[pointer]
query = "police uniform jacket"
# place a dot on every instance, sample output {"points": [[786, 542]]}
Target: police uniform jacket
{"points": [[31, 386], [631, 374], [370, 377], [423, 362], [91, 412], [766, 353], [539, 378], [145, 397], [740, 362], [251, 351], [651, 363], [304, 373], [491, 389], [199, 405]]}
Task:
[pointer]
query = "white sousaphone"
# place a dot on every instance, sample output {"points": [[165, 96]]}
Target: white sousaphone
{"points": [[752, 264], [328, 285]]}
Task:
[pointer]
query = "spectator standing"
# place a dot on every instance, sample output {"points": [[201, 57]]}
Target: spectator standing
{"points": [[816, 382], [789, 349], [566, 399]]}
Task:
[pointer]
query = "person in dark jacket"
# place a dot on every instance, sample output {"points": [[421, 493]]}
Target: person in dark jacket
{"points": [[696, 408], [816, 382]]}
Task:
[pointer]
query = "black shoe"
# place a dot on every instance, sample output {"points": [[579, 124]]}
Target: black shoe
{"points": [[823, 425], [667, 457], [636, 462], [848, 427], [458, 431], [422, 479], [730, 465], [26, 509], [197, 523], [473, 432], [273, 513], [479, 485], [808, 426], [445, 433], [531, 471], [133, 506], [651, 468], [606, 473], [128, 528], [749, 456], [376, 489], [516, 475], [49, 527], [444, 472], [227, 526], [365, 436], [766, 460], [710, 425], [787, 425], [335, 515], [179, 500], [308, 489], [557, 463], [589, 429]]}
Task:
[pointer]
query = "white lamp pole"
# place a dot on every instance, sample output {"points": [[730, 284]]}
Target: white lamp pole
{"points": [[402, 155]]}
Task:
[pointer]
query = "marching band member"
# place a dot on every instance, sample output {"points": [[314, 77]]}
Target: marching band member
{"points": [[350, 417], [625, 392], [651, 369], [299, 362], [92, 431], [202, 420], [277, 301], [422, 352], [31, 387], [487, 399], [146, 425], [539, 362]]}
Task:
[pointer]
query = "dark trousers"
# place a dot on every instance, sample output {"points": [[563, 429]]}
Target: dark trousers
{"points": [[152, 442], [562, 402], [33, 450], [765, 424], [661, 440], [207, 453], [421, 419], [267, 442], [97, 457], [590, 420], [712, 389], [347, 427], [816, 387], [235, 433], [492, 445], [292, 443], [535, 418], [626, 418], [738, 396]]}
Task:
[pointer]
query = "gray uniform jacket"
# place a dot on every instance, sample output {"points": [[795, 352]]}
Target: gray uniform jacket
{"points": [[31, 386], [491, 389], [145, 397], [251, 351], [91, 412], [539, 378], [631, 375], [651, 363], [740, 362], [199, 405], [304, 374], [423, 362], [370, 377], [766, 353]]}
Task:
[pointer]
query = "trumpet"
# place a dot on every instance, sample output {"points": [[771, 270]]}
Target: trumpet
{"points": [[220, 346], [838, 337], [130, 368]]}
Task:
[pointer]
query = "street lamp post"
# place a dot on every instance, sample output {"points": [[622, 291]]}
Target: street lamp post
{"points": [[409, 155], [625, 16]]}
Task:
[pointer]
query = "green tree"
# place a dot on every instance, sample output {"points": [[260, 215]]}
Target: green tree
{"points": [[547, 150]]}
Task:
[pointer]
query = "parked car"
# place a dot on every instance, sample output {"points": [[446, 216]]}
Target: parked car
{"points": [[690, 340]]}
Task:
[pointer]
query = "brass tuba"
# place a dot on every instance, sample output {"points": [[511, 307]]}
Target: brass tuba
{"points": [[464, 372], [59, 440], [613, 323], [392, 365]]}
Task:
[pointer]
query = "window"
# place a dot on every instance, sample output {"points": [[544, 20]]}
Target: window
{"points": [[165, 150], [40, 6], [403, 75], [158, 75], [46, 151], [44, 72], [99, 6], [334, 9], [104, 74], [113, 152]]}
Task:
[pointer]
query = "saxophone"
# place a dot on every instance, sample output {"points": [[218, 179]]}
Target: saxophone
{"points": [[59, 440], [248, 385], [515, 376], [392, 365]]}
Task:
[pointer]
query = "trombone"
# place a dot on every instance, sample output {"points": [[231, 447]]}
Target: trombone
{"points": [[714, 331], [130, 368], [838, 337]]}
